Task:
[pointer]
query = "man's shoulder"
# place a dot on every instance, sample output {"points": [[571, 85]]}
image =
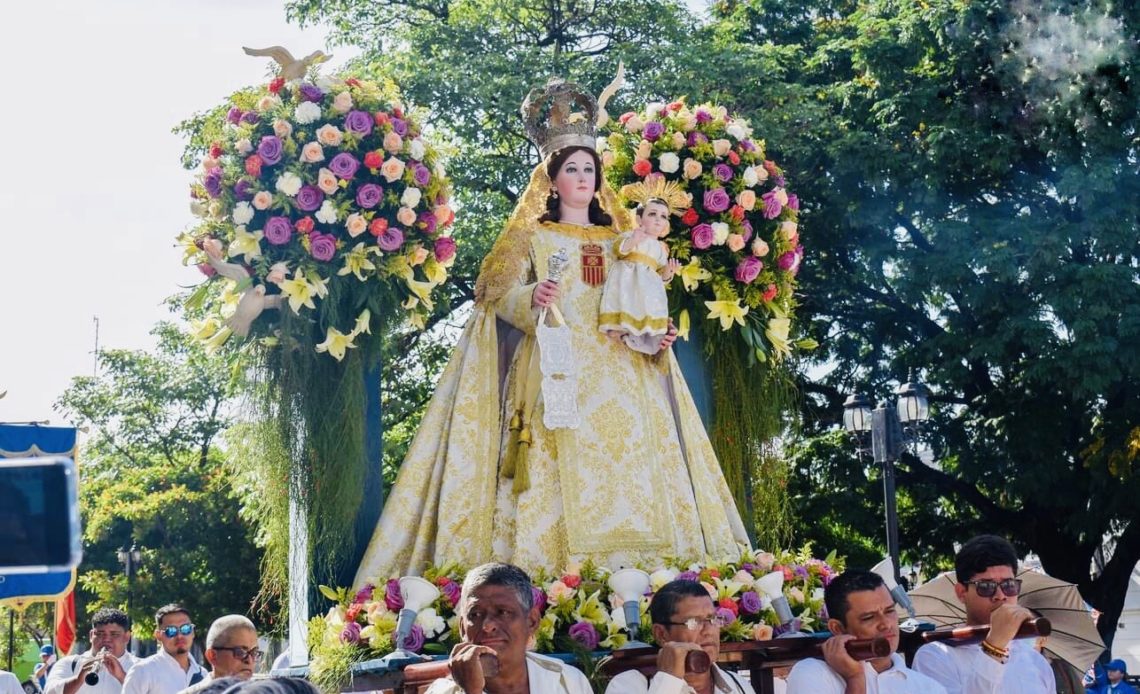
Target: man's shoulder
{"points": [[921, 682]]}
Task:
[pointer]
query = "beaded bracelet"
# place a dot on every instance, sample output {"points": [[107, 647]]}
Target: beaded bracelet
{"points": [[999, 654]]}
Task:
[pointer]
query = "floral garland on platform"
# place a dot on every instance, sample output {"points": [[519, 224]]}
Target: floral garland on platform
{"points": [[577, 606], [321, 198]]}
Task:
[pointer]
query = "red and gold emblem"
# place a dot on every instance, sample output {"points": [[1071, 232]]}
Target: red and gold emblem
{"points": [[593, 264]]}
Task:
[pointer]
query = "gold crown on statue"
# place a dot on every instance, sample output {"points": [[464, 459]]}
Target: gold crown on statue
{"points": [[560, 115], [655, 187]]}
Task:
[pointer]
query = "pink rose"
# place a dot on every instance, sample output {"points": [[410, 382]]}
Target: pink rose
{"points": [[735, 242], [716, 200], [746, 199], [703, 235], [326, 181], [262, 200], [393, 142], [278, 273], [444, 249], [721, 147], [759, 248], [419, 255], [312, 152], [406, 216]]}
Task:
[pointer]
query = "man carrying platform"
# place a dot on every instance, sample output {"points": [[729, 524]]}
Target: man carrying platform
{"points": [[986, 567], [860, 607], [497, 618], [684, 619]]}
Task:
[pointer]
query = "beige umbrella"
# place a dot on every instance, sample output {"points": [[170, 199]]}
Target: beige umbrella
{"points": [[1074, 639]]}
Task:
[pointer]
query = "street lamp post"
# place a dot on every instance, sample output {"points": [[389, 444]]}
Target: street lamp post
{"points": [[130, 559], [889, 428]]}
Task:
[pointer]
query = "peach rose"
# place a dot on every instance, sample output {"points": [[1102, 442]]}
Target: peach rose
{"points": [[607, 158], [634, 124], [356, 224], [312, 152], [692, 168], [759, 248], [342, 102], [559, 592], [393, 142], [282, 128], [267, 102], [406, 216], [721, 147], [678, 140], [419, 255], [209, 163], [262, 200], [392, 169], [326, 181], [688, 122], [762, 632], [330, 135], [644, 149], [781, 196], [735, 242], [746, 199], [442, 213]]}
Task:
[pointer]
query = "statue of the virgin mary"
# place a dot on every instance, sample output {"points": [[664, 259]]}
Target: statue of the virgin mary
{"points": [[484, 478]]}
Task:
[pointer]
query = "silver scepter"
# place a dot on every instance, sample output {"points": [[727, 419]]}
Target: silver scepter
{"points": [[556, 265]]}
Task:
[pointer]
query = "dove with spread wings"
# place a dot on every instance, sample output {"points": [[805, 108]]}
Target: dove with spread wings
{"points": [[291, 68]]}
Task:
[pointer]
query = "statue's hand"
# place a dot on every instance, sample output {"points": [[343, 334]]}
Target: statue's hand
{"points": [[545, 294], [670, 337]]}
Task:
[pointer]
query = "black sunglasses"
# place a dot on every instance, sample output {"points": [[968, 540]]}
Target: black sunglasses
{"points": [[987, 588], [241, 653], [185, 630]]}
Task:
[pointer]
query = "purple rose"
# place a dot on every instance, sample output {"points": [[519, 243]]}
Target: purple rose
{"points": [[309, 198], [652, 130], [787, 261], [703, 236], [234, 115], [585, 634], [780, 181], [278, 230], [350, 633], [421, 175], [723, 172], [695, 138], [364, 594], [311, 92], [716, 200], [344, 165], [772, 206], [426, 222], [241, 190], [750, 602], [749, 567], [703, 116], [794, 201], [369, 195], [323, 247], [415, 640], [746, 227], [358, 122], [452, 591], [445, 251], [270, 149], [801, 571], [747, 146], [537, 594], [400, 126], [213, 182], [390, 240], [689, 575], [249, 117], [726, 614], [392, 598], [748, 269]]}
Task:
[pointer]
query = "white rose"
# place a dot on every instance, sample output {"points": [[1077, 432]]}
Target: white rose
{"points": [[289, 183], [417, 149], [653, 109], [737, 130], [720, 233], [342, 103], [243, 146], [430, 622], [197, 208], [660, 577], [325, 83], [306, 113], [750, 177], [243, 213], [327, 213], [669, 162], [601, 145], [411, 197]]}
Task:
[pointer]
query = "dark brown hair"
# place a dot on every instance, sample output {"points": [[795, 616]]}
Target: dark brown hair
{"points": [[598, 216]]}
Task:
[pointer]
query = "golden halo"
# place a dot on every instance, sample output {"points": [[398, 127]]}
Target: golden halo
{"points": [[655, 186]]}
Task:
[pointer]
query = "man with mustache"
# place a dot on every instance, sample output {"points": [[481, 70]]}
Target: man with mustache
{"points": [[172, 669]]}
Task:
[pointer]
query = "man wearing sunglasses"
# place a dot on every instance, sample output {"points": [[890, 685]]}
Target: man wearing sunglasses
{"points": [[172, 668], [684, 619], [986, 569], [110, 634], [231, 650]]}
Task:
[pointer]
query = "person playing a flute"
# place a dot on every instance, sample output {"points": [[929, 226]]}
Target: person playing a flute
{"points": [[859, 606], [986, 569], [684, 619]]}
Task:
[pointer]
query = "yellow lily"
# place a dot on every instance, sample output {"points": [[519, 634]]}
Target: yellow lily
{"points": [[435, 271], [683, 325], [299, 292], [206, 329], [777, 334], [336, 343], [728, 312], [398, 266], [246, 243], [320, 284], [363, 323], [356, 261], [591, 610], [421, 291], [218, 339], [693, 274], [190, 251]]}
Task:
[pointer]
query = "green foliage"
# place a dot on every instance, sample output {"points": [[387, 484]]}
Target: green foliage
{"points": [[152, 474]]}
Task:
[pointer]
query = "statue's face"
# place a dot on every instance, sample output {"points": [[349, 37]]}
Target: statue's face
{"points": [[576, 180], [655, 219]]}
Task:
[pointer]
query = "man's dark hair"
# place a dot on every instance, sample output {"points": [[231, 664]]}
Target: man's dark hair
{"points": [[172, 608], [664, 602], [982, 552], [109, 615], [497, 574], [274, 685], [843, 585], [219, 685]]}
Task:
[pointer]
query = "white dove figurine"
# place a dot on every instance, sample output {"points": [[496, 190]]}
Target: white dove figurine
{"points": [[232, 271], [291, 68]]}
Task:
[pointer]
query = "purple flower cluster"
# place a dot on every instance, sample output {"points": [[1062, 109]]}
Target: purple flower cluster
{"points": [[703, 236], [358, 122], [323, 247], [400, 126], [270, 149], [311, 92], [689, 575], [452, 591], [369, 195], [392, 599], [213, 182], [537, 594], [233, 115], [703, 116], [309, 198], [748, 269], [249, 117], [344, 165], [653, 130], [772, 206], [695, 138], [750, 602], [726, 614], [585, 634], [421, 175], [350, 633], [426, 222], [389, 241], [723, 172], [416, 639], [242, 190], [364, 594], [716, 200], [278, 230]]}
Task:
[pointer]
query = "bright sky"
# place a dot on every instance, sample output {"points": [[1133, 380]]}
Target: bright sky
{"points": [[91, 191]]}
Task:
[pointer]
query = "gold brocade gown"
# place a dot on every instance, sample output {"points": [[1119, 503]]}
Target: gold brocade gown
{"points": [[637, 481]]}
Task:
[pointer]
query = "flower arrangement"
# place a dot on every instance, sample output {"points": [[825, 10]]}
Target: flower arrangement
{"points": [[323, 199], [739, 243], [578, 608]]}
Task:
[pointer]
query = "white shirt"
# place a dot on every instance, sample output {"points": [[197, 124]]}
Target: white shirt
{"points": [[65, 670], [161, 674], [814, 676], [633, 682], [9, 683], [968, 670], [544, 675]]}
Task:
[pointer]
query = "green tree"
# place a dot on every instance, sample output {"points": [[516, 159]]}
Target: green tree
{"points": [[153, 473]]}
